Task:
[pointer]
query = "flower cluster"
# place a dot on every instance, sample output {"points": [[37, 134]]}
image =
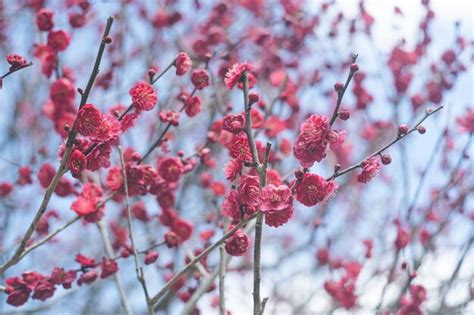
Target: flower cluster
{"points": [[170, 116], [108, 268], [243, 201], [88, 203], [311, 143], [312, 189], [40, 287], [139, 178], [344, 289], [57, 40], [233, 123], [466, 122], [19, 289], [15, 61], [180, 230], [45, 176], [97, 126], [411, 305], [275, 202], [60, 108]]}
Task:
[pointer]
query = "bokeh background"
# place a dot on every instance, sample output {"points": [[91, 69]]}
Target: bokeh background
{"points": [[291, 275]]}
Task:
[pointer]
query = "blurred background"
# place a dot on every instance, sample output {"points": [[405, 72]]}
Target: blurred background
{"points": [[313, 42]]}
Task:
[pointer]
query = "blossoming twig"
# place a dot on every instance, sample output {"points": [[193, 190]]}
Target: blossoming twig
{"points": [[64, 161], [206, 283], [340, 92], [262, 173], [16, 69], [399, 137], [49, 236], [162, 135], [138, 268], [204, 253], [154, 80], [431, 159], [130, 107], [110, 254]]}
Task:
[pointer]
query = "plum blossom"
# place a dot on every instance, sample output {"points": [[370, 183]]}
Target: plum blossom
{"points": [[313, 189], [277, 204]]}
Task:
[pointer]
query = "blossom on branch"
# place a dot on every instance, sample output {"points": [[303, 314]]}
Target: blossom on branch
{"points": [[311, 143], [313, 189], [370, 168], [234, 73], [277, 204], [200, 78], [183, 63], [143, 96], [237, 244]]}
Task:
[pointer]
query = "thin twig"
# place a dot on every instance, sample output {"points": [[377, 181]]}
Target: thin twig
{"points": [[388, 145], [423, 176], [206, 283], [110, 254], [262, 173], [340, 94], [16, 69], [163, 72], [202, 270], [221, 270], [191, 264], [138, 268], [456, 270], [162, 135], [49, 236]]}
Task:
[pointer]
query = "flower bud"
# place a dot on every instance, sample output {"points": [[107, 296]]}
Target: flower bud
{"points": [[402, 129], [136, 156], [107, 39], [171, 239], [151, 73], [299, 174], [344, 114], [253, 98], [421, 130], [151, 257], [386, 159]]}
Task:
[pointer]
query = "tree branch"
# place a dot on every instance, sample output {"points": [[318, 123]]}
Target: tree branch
{"points": [[63, 167], [204, 253], [138, 268]]}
